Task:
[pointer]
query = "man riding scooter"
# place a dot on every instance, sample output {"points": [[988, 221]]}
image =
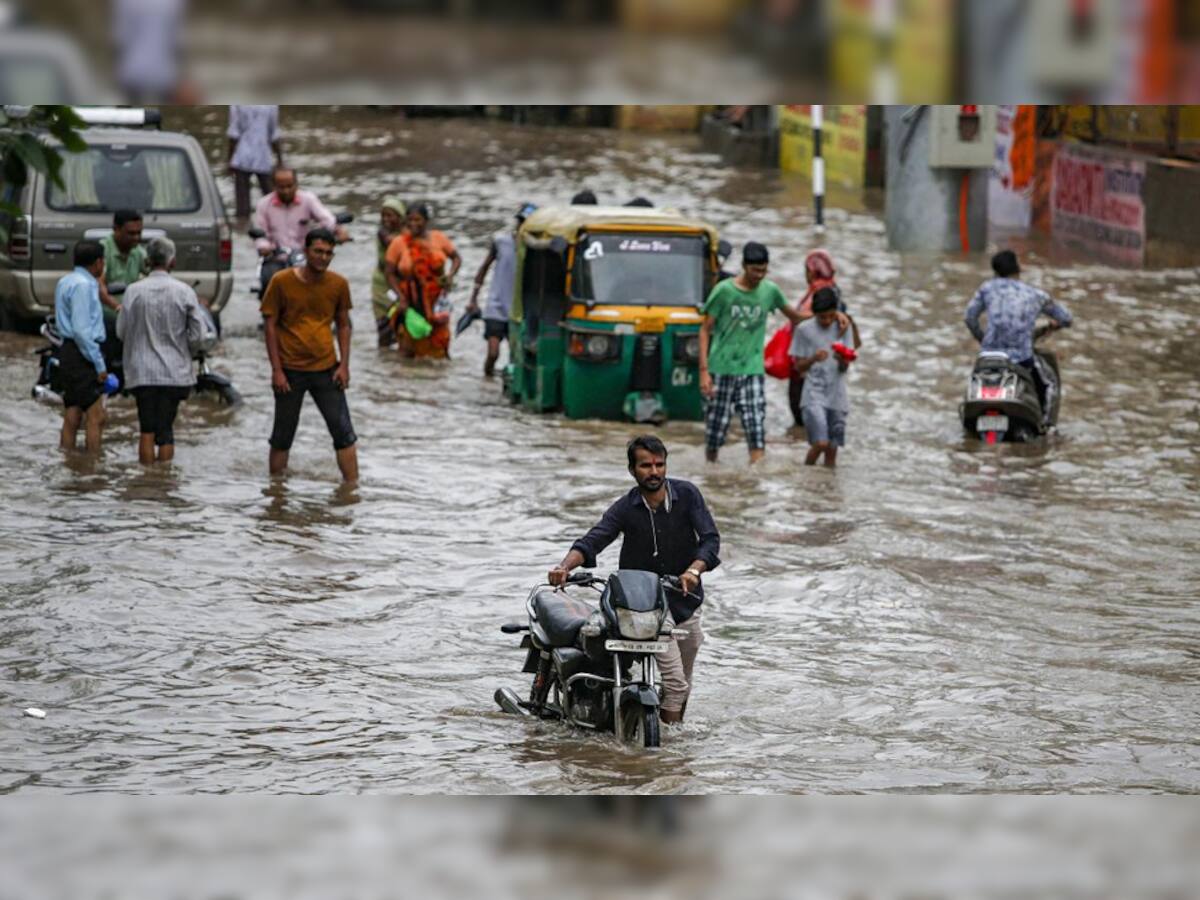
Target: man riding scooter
{"points": [[1012, 309], [283, 218]]}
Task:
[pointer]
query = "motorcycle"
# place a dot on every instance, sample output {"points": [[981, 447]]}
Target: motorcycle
{"points": [[281, 257], [595, 666], [1002, 400], [48, 389]]}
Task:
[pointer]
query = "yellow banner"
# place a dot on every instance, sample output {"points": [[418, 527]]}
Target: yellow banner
{"points": [[1131, 125], [843, 143]]}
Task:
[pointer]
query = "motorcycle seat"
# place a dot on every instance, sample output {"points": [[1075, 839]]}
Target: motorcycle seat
{"points": [[560, 615]]}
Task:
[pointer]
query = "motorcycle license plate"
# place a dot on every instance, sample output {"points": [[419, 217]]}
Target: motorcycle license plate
{"points": [[638, 646], [991, 423]]}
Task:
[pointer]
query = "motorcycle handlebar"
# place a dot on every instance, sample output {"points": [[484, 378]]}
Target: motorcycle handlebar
{"points": [[672, 582]]}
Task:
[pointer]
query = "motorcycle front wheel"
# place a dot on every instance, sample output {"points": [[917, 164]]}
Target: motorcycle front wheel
{"points": [[639, 725]]}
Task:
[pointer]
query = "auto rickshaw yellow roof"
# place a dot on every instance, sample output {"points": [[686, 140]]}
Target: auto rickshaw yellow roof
{"points": [[567, 221]]}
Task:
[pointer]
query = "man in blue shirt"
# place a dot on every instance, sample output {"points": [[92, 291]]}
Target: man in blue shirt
{"points": [[79, 318], [666, 528], [1012, 308]]}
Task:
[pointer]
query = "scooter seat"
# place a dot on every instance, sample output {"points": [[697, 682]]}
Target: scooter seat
{"points": [[560, 615], [991, 358]]}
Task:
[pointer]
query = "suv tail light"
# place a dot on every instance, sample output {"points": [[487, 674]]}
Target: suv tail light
{"points": [[18, 240], [225, 244]]}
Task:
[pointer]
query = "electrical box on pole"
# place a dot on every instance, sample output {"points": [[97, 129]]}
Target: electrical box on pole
{"points": [[1074, 43], [962, 137]]}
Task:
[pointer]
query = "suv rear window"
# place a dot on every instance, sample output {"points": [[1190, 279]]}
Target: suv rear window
{"points": [[111, 177]]}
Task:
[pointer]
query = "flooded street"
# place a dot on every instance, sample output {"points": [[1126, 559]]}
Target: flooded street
{"points": [[933, 616]]}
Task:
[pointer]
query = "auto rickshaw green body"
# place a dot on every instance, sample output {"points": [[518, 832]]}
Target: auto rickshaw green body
{"points": [[605, 318]]}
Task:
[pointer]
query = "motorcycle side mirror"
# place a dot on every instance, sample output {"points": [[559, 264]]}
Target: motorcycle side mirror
{"points": [[344, 218], [724, 248], [256, 233]]}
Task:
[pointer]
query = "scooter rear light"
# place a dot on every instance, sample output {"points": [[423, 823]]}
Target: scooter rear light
{"points": [[988, 392]]}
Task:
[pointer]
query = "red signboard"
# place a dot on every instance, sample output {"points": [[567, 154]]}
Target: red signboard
{"points": [[1096, 201]]}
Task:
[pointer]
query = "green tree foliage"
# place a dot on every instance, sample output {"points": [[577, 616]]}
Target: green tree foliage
{"points": [[24, 145]]}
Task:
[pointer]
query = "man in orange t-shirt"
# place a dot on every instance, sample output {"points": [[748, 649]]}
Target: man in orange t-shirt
{"points": [[299, 308]]}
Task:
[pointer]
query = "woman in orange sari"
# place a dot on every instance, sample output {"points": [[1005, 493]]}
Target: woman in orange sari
{"points": [[416, 271]]}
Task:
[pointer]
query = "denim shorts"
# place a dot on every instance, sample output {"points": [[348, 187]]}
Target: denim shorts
{"points": [[824, 424]]}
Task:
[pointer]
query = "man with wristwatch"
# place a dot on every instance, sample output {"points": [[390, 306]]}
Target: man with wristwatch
{"points": [[667, 529]]}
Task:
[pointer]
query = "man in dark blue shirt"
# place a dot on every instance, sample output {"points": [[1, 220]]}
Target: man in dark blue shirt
{"points": [[667, 529]]}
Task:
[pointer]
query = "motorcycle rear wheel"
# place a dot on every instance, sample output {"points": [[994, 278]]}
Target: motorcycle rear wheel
{"points": [[640, 725], [225, 394]]}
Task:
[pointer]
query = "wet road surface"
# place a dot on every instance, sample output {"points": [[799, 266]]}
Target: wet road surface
{"points": [[934, 616]]}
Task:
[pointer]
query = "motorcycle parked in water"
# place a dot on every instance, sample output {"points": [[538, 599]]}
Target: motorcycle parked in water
{"points": [[595, 667], [208, 383], [1003, 402], [281, 257]]}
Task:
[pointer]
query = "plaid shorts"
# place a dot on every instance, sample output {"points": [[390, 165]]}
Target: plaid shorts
{"points": [[746, 394]]}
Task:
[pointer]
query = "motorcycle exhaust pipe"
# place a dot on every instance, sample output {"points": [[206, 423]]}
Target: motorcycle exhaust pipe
{"points": [[508, 701]]}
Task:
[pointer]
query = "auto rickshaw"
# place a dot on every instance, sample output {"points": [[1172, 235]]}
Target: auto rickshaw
{"points": [[605, 319]]}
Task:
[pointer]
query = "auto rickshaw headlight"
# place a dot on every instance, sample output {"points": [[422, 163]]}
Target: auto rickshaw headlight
{"points": [[594, 347], [687, 348]]}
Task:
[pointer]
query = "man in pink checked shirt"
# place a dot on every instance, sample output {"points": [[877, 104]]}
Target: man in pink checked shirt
{"points": [[287, 214]]}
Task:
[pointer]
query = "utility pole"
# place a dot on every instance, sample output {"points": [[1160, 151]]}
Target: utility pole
{"points": [[818, 167]]}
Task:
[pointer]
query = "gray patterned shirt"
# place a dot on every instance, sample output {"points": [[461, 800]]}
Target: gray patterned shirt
{"points": [[160, 318], [1012, 309]]}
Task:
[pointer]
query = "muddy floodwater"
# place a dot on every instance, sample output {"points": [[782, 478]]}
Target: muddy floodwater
{"points": [[933, 616]]}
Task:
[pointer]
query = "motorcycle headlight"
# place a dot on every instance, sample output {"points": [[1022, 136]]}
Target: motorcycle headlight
{"points": [[639, 626]]}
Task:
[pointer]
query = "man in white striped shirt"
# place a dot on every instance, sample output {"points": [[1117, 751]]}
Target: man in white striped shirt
{"points": [[160, 323]]}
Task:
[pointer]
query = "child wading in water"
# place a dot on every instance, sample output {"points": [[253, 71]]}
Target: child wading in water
{"points": [[825, 402]]}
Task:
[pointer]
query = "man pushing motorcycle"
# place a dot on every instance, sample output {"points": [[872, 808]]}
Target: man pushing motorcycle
{"points": [[667, 529]]}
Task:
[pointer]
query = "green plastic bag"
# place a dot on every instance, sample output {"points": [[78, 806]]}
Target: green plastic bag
{"points": [[416, 325]]}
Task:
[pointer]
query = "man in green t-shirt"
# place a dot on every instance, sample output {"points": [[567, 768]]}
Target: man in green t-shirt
{"points": [[731, 352], [124, 256]]}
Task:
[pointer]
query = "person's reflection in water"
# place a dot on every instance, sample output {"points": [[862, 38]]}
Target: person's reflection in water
{"points": [[345, 494], [290, 508]]}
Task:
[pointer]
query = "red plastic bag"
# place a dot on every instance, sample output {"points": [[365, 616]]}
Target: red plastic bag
{"points": [[775, 357], [844, 353]]}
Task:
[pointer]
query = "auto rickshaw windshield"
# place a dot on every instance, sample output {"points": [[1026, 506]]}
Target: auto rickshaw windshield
{"points": [[641, 269]]}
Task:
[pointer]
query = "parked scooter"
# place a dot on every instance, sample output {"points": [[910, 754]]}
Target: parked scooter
{"points": [[48, 387], [1002, 400], [281, 257], [596, 667]]}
